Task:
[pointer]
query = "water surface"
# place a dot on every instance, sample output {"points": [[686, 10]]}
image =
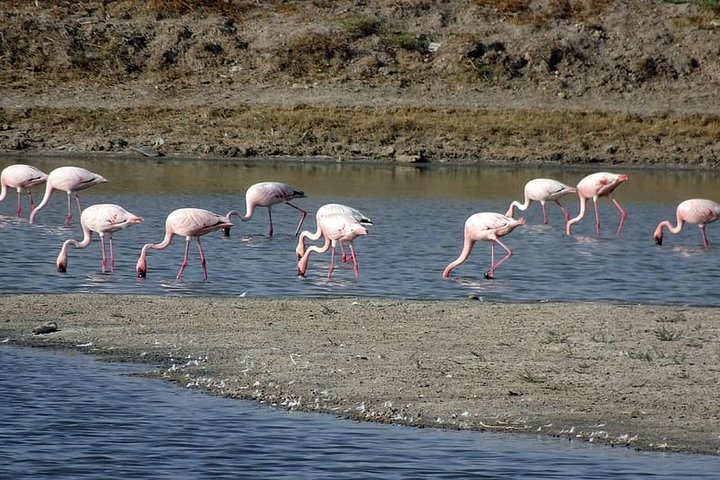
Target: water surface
{"points": [[419, 215], [67, 416]]}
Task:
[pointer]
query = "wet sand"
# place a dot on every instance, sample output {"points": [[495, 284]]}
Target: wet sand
{"points": [[643, 377]]}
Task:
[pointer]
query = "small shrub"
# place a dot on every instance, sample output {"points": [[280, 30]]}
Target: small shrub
{"points": [[665, 335], [408, 42], [638, 355], [554, 337], [677, 318], [360, 26], [530, 377]]}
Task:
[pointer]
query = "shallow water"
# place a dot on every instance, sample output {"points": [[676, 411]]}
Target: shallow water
{"points": [[418, 213], [67, 416]]}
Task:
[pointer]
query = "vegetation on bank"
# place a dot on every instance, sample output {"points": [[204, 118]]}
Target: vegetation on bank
{"points": [[550, 49], [445, 134]]}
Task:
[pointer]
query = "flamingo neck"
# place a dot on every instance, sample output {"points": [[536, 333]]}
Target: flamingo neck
{"points": [[46, 198], [84, 243], [157, 246], [300, 250], [3, 191], [521, 206], [467, 249], [249, 210], [302, 264], [580, 215], [676, 229]]}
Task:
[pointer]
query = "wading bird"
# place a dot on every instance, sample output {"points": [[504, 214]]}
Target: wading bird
{"points": [[543, 190], [335, 228], [331, 209], [267, 194], [596, 185], [103, 219], [70, 180], [191, 223], [698, 211], [489, 227], [21, 177]]}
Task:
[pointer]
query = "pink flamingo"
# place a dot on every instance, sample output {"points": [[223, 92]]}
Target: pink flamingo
{"points": [[487, 226], [698, 211], [21, 177], [596, 185], [330, 209], [103, 219], [267, 194], [335, 228], [189, 223], [70, 180], [543, 190]]}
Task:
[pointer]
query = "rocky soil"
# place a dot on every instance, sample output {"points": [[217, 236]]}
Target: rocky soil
{"points": [[514, 81]]}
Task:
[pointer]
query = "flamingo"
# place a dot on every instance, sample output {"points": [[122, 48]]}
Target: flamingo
{"points": [[21, 177], [190, 223], [596, 185], [698, 211], [335, 228], [70, 180], [329, 209], [267, 194], [103, 219], [487, 226], [543, 190]]}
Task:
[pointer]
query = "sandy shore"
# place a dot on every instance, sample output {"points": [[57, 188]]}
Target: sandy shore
{"points": [[640, 376]]}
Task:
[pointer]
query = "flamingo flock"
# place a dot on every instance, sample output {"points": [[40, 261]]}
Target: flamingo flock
{"points": [[336, 224]]}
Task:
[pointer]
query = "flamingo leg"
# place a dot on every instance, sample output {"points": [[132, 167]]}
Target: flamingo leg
{"points": [[112, 253], [77, 200], [332, 260], [184, 262], [545, 215], [489, 273], [202, 258], [597, 216], [356, 269], [19, 205], [494, 266], [104, 258], [704, 236], [564, 210], [32, 201], [270, 217], [623, 215], [342, 250], [303, 214], [69, 213]]}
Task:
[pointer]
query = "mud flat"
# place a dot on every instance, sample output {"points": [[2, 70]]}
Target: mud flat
{"points": [[624, 375]]}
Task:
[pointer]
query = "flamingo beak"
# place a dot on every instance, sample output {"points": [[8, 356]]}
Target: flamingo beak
{"points": [[62, 268]]}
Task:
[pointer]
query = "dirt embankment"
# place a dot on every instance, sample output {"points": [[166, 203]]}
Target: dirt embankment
{"points": [[471, 81]]}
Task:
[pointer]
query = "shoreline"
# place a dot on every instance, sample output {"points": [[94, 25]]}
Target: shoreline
{"points": [[640, 376], [132, 155]]}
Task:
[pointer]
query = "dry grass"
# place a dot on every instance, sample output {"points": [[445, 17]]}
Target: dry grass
{"points": [[315, 130], [528, 11]]}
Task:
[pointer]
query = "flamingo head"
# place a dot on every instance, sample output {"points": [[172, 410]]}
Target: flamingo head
{"points": [[62, 262], [141, 268], [658, 237]]}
